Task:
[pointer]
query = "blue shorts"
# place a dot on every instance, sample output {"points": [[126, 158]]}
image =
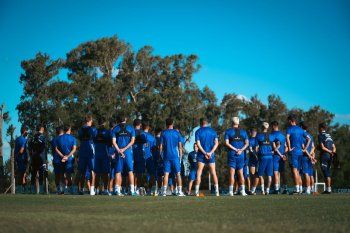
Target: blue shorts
{"points": [[201, 158], [125, 164], [66, 167], [193, 175], [236, 161], [173, 166], [326, 162], [102, 164], [295, 161], [265, 166], [279, 165], [306, 166], [85, 163]]}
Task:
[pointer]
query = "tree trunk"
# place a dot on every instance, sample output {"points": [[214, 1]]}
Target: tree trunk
{"points": [[13, 183]]}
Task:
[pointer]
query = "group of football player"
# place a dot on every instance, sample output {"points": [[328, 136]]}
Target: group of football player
{"points": [[121, 159]]}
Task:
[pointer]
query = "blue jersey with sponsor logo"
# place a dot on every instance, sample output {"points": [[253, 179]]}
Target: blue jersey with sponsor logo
{"points": [[237, 138], [264, 142], [123, 134]]}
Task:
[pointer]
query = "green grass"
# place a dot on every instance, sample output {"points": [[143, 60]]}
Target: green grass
{"points": [[39, 213]]}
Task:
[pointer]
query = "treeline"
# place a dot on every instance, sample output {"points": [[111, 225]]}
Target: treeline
{"points": [[107, 77]]}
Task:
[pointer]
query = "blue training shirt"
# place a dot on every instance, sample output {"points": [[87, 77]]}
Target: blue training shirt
{"points": [[65, 143], [149, 145], [21, 142], [206, 136], [296, 136], [264, 141], [311, 142], [170, 140], [236, 140], [56, 157], [86, 135], [192, 159], [281, 139], [123, 134], [101, 141]]}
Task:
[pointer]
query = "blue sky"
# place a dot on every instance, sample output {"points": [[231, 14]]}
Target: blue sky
{"points": [[299, 50]]}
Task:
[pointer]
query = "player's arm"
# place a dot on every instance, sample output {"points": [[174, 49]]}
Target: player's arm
{"points": [[59, 152], [246, 144], [276, 149], [216, 144], [325, 148], [288, 142], [114, 142], [308, 141], [200, 147], [227, 143], [132, 141], [180, 149], [74, 148]]}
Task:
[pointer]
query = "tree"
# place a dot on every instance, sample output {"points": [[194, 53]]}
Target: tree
{"points": [[4, 117], [10, 133]]}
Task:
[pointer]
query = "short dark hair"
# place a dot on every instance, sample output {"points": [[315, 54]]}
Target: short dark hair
{"points": [[88, 118], [112, 124], [158, 130], [137, 122], [145, 124], [274, 123], [203, 120], [67, 127], [38, 128], [292, 117], [24, 129], [169, 121], [303, 125], [101, 121], [59, 130], [121, 118], [322, 126]]}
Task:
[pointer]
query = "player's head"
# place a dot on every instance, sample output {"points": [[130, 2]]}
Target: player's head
{"points": [[235, 121], [101, 122], [253, 132], [303, 125], [24, 130], [195, 146], [59, 130], [137, 123], [158, 131], [203, 121], [40, 128], [169, 122], [88, 120], [67, 128], [322, 127], [111, 124], [292, 119], [265, 126], [274, 125], [121, 118], [145, 125]]}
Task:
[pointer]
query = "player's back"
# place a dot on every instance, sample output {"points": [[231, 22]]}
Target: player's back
{"points": [[297, 135], [170, 140], [206, 136], [65, 143]]}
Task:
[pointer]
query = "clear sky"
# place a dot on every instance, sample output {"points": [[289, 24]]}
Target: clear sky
{"points": [[297, 49]]}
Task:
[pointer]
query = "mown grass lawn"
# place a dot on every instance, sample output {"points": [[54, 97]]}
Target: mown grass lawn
{"points": [[40, 213]]}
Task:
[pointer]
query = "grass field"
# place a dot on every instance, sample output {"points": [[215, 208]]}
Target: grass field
{"points": [[29, 213]]}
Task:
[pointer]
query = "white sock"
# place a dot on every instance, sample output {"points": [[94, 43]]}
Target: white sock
{"points": [[297, 188], [230, 188], [277, 187], [164, 189], [216, 186], [308, 189], [262, 188], [132, 188], [179, 189], [243, 188], [253, 189], [196, 189], [329, 189], [117, 188], [312, 188], [268, 190]]}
